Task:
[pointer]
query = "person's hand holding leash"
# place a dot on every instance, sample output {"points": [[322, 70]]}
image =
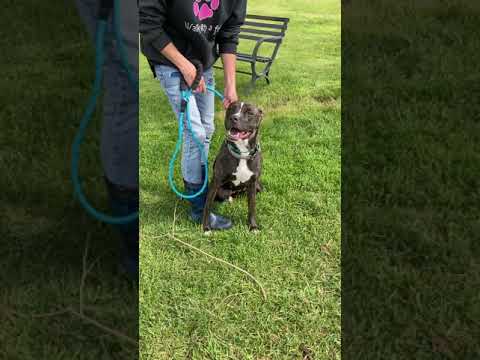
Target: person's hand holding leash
{"points": [[189, 72], [202, 86]]}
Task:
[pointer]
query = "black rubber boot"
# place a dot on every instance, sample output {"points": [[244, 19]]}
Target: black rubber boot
{"points": [[217, 222], [124, 202]]}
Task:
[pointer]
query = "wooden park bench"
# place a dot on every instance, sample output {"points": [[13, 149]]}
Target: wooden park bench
{"points": [[261, 29]]}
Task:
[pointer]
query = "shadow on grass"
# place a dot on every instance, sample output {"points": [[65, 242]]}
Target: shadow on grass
{"points": [[43, 231]]}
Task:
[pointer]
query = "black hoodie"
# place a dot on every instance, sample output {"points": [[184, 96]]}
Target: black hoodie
{"points": [[200, 29]]}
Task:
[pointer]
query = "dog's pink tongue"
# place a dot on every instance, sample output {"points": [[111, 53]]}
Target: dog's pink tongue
{"points": [[243, 134], [239, 135]]}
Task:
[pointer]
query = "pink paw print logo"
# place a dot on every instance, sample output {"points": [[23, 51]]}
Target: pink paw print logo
{"points": [[204, 9]]}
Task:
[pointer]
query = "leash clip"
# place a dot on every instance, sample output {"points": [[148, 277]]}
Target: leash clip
{"points": [[185, 99]]}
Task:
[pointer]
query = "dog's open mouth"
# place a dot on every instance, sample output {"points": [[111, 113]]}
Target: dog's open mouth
{"points": [[236, 134]]}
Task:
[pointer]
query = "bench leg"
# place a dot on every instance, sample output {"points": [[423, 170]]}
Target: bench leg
{"points": [[251, 86], [267, 72], [254, 78], [267, 78]]}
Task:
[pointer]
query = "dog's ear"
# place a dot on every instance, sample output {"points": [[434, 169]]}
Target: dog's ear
{"points": [[229, 109], [235, 103]]}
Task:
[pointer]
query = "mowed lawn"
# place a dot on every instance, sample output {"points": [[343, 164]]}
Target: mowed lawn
{"points": [[411, 195], [192, 307]]}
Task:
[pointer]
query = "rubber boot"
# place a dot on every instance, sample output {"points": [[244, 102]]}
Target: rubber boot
{"points": [[124, 202], [217, 222]]}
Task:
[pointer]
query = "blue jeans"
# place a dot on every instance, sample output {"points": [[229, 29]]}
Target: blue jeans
{"points": [[119, 137], [202, 113]]}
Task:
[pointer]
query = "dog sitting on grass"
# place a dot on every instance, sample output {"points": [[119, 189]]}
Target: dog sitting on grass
{"points": [[238, 165]]}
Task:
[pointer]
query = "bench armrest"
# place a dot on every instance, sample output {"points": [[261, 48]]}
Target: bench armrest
{"points": [[275, 39]]}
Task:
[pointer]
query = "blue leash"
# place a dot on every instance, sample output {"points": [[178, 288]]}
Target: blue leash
{"points": [[92, 103], [186, 94]]}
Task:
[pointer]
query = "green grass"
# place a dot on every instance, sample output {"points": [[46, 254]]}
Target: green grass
{"points": [[46, 75], [410, 180], [194, 308]]}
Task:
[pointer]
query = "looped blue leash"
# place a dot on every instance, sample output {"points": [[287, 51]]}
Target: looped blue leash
{"points": [[186, 94], [106, 7]]}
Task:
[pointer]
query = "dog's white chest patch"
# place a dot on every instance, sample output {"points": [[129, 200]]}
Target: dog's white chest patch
{"points": [[242, 173]]}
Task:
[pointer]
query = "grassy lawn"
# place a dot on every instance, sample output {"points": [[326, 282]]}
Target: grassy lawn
{"points": [[46, 75], [411, 195], [192, 307]]}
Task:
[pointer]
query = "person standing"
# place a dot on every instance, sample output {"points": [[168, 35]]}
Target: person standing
{"points": [[119, 134], [175, 33]]}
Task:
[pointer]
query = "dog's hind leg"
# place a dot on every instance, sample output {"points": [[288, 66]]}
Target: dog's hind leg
{"points": [[258, 186], [252, 204], [258, 182]]}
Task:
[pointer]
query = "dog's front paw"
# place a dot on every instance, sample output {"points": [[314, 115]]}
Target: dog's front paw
{"points": [[254, 228], [206, 226]]}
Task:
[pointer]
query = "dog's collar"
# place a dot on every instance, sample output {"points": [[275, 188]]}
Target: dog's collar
{"points": [[247, 155]]}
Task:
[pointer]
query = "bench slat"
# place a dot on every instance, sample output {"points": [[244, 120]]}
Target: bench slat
{"points": [[270, 18], [264, 25], [256, 38], [261, 32], [249, 58]]}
